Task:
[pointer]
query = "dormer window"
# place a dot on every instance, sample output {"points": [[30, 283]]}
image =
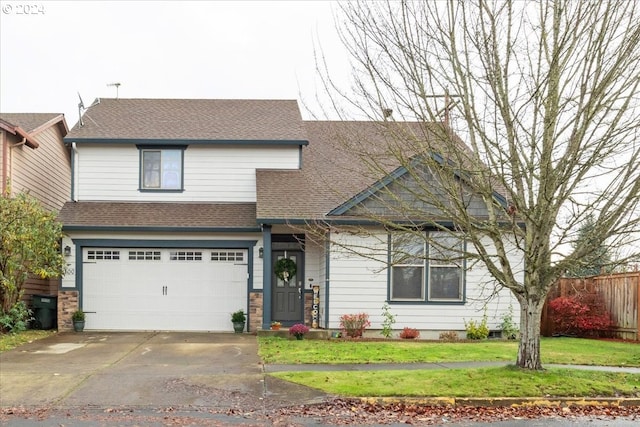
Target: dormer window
{"points": [[161, 169]]}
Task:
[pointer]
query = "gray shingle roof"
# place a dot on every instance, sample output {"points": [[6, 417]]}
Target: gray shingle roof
{"points": [[161, 215], [333, 170], [192, 119]]}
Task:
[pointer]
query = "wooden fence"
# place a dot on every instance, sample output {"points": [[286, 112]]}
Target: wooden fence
{"points": [[620, 293]]}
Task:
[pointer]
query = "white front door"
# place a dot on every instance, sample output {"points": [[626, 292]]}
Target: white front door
{"points": [[163, 289]]}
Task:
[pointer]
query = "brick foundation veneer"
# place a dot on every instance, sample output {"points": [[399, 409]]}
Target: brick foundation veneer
{"points": [[308, 307], [255, 311], [67, 304]]}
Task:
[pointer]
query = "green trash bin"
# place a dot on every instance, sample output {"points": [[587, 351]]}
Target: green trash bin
{"points": [[45, 311]]}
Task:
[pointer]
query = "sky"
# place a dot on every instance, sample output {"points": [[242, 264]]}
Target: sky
{"points": [[52, 50]]}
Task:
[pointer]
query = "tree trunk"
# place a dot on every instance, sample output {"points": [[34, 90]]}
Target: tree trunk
{"points": [[529, 349]]}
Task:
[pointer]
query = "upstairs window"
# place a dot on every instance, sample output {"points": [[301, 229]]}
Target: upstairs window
{"points": [[161, 169]]}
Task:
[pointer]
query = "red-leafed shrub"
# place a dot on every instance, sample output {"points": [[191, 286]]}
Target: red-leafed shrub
{"points": [[581, 316], [353, 325], [409, 333]]}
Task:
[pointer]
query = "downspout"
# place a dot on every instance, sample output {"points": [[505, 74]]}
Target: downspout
{"points": [[327, 277], [74, 153], [5, 163]]}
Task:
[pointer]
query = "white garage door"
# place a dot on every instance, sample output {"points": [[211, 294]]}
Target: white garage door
{"points": [[163, 289]]}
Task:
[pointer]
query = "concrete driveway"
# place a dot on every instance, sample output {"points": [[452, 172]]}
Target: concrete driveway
{"points": [[102, 369]]}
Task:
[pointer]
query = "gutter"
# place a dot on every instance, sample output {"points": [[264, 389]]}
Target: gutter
{"points": [[74, 154], [26, 138]]}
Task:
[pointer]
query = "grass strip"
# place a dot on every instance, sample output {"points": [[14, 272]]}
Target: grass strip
{"points": [[554, 350], [482, 382]]}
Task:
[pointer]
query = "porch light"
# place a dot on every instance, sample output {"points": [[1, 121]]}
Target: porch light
{"points": [[67, 250], [261, 252]]}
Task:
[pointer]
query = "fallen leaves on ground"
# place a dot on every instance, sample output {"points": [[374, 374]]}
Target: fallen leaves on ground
{"points": [[332, 412]]}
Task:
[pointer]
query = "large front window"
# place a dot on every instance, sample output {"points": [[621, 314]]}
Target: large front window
{"points": [[161, 169], [426, 267]]}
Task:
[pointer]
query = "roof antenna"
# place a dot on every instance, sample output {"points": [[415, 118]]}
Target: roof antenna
{"points": [[80, 108], [117, 85], [448, 103]]}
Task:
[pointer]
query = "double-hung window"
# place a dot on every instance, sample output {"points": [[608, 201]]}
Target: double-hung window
{"points": [[161, 169], [445, 267], [427, 267], [407, 271]]}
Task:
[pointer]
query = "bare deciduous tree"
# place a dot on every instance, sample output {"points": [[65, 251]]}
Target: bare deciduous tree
{"points": [[545, 96]]}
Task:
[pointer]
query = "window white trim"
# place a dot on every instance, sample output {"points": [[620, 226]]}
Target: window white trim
{"points": [[425, 254]]}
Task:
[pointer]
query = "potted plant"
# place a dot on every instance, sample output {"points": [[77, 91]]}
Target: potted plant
{"points": [[275, 325], [78, 320], [298, 330], [238, 318]]}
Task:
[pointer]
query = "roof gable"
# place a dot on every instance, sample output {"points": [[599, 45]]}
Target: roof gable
{"points": [[336, 184], [28, 125], [401, 186], [191, 120]]}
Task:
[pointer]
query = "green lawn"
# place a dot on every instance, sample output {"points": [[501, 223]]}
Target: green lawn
{"points": [[506, 381], [554, 350], [482, 382], [10, 341]]}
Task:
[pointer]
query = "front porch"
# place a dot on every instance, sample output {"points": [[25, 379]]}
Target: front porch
{"points": [[313, 334]]}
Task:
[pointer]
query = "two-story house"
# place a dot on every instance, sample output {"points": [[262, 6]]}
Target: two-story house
{"points": [[35, 160], [183, 210]]}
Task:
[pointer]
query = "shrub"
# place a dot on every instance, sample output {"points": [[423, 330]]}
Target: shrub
{"points": [[353, 325], [409, 333], [238, 316], [298, 330], [477, 331], [78, 316], [387, 323], [449, 336], [16, 318], [572, 316], [509, 329]]}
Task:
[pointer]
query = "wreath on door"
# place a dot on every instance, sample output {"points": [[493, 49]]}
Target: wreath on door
{"points": [[285, 269]]}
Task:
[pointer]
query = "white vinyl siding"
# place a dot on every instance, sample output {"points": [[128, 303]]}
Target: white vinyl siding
{"points": [[211, 173], [359, 284]]}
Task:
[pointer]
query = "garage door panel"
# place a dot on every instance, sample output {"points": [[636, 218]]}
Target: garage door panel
{"points": [[164, 289]]}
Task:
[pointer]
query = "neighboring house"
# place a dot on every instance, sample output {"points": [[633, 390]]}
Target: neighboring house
{"points": [[181, 210], [34, 160]]}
